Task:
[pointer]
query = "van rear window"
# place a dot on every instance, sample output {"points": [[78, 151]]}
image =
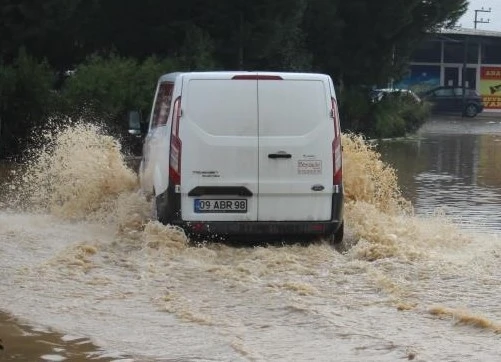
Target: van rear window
{"points": [[292, 107], [222, 107], [162, 104]]}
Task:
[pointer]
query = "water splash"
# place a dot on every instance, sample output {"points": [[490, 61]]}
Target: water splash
{"points": [[383, 221], [368, 179], [77, 173]]}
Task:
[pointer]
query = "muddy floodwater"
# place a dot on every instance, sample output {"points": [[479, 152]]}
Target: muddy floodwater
{"points": [[25, 342], [452, 165], [88, 276]]}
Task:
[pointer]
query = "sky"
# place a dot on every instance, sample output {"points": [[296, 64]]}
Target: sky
{"points": [[494, 16]]}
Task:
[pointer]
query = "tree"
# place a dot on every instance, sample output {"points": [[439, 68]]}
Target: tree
{"points": [[109, 86], [357, 42], [197, 50], [49, 29], [24, 97], [367, 42]]}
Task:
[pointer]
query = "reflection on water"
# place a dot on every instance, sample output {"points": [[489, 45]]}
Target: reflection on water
{"points": [[458, 174], [25, 343]]}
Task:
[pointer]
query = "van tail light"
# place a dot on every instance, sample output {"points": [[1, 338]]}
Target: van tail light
{"points": [[175, 160], [335, 117], [337, 163], [176, 116], [175, 145], [257, 77]]}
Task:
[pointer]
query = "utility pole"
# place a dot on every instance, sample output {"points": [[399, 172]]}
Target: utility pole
{"points": [[465, 71], [481, 21]]}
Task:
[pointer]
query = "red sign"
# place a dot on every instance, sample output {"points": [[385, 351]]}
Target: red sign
{"points": [[490, 87]]}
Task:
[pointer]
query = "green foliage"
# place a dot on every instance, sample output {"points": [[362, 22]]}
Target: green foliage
{"points": [[48, 29], [387, 118], [414, 114], [358, 42], [287, 46], [271, 35], [112, 85], [366, 42], [197, 52], [398, 115], [354, 107], [394, 116], [105, 83], [25, 94]]}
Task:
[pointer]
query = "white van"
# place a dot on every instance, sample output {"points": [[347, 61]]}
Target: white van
{"points": [[246, 153]]}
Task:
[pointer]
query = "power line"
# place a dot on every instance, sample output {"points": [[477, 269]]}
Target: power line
{"points": [[481, 21]]}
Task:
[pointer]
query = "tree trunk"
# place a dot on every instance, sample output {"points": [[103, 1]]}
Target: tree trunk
{"points": [[241, 42]]}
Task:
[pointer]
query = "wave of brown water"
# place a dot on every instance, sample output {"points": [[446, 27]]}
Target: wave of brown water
{"points": [[84, 259]]}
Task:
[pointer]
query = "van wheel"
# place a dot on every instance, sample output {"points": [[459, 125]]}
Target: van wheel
{"points": [[154, 210], [470, 110], [337, 238]]}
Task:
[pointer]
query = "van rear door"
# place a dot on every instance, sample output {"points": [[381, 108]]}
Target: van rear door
{"points": [[296, 133], [219, 134]]}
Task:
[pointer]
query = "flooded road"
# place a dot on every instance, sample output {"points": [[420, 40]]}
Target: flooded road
{"points": [[454, 166], [84, 260], [23, 342]]}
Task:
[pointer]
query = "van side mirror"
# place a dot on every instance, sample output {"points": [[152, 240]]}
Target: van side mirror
{"points": [[134, 120]]}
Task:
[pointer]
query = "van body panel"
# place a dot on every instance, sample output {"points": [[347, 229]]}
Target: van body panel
{"points": [[294, 119], [159, 147], [219, 131], [263, 140], [156, 146]]}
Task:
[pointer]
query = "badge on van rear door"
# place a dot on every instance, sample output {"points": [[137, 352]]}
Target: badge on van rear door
{"points": [[309, 167], [318, 187]]}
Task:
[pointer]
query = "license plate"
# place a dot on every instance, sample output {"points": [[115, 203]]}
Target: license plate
{"points": [[220, 205]]}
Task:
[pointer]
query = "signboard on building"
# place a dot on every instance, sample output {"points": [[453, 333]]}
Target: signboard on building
{"points": [[490, 87], [420, 78]]}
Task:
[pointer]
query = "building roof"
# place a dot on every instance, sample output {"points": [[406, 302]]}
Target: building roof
{"points": [[468, 31]]}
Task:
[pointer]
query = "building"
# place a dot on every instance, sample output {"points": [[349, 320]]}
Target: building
{"points": [[456, 56]]}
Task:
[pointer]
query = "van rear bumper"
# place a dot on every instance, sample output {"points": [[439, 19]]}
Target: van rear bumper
{"points": [[170, 211], [260, 228]]}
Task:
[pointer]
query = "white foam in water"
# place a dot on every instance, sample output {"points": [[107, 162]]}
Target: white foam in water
{"points": [[70, 338], [53, 357]]}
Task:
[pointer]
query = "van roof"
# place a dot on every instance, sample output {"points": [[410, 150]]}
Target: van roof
{"points": [[229, 74]]}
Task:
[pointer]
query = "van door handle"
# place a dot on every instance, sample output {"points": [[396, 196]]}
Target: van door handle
{"points": [[279, 155]]}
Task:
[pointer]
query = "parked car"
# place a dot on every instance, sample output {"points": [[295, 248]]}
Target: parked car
{"points": [[377, 95], [450, 99], [245, 154]]}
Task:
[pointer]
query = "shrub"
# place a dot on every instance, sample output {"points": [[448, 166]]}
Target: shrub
{"points": [[104, 88], [399, 114], [394, 116], [112, 85], [354, 108], [388, 121]]}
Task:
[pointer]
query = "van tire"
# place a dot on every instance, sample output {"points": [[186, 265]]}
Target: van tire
{"points": [[470, 110], [154, 209], [336, 238], [158, 209], [168, 206]]}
